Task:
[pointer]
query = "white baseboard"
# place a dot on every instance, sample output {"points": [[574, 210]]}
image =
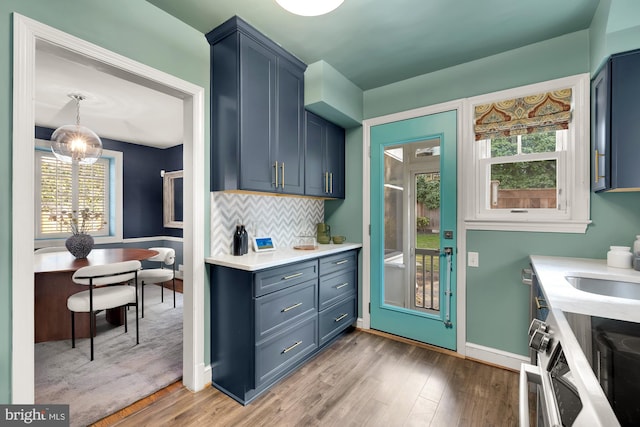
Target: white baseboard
{"points": [[359, 323], [206, 376], [495, 356]]}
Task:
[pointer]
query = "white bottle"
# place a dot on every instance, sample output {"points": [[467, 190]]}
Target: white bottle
{"points": [[620, 257]]}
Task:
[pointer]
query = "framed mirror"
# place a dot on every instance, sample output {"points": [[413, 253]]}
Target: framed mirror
{"points": [[172, 197]]}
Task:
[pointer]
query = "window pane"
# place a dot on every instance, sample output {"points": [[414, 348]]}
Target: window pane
{"points": [[55, 196], [524, 185], [91, 197], [507, 146], [70, 193], [543, 142]]}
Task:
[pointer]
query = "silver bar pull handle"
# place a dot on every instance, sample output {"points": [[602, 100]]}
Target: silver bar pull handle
{"points": [[344, 261], [331, 183], [527, 276], [288, 349], [343, 285], [282, 167], [339, 318], [292, 276], [284, 310], [275, 167]]}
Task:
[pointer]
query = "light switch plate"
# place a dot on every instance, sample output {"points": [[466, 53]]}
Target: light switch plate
{"points": [[472, 259]]}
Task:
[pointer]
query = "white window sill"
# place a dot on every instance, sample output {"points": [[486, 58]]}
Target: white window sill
{"points": [[529, 226]]}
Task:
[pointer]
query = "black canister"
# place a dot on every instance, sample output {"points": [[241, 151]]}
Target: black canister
{"points": [[237, 241], [244, 239]]}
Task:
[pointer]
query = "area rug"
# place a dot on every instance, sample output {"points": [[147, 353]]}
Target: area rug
{"points": [[121, 372]]}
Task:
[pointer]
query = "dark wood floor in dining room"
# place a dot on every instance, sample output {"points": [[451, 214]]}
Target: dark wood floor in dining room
{"points": [[362, 379]]}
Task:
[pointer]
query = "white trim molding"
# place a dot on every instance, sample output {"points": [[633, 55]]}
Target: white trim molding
{"points": [[573, 172], [26, 34], [495, 357]]}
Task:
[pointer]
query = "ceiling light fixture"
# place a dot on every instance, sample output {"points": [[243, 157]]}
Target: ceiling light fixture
{"points": [[76, 143], [309, 7]]}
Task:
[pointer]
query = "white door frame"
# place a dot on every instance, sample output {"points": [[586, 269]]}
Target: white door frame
{"points": [[366, 213], [26, 32]]}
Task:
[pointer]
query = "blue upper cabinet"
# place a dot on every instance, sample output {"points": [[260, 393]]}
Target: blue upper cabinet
{"points": [[615, 124], [325, 151], [257, 112]]}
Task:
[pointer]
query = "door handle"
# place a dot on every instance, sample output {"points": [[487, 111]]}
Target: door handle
{"points": [[275, 168]]}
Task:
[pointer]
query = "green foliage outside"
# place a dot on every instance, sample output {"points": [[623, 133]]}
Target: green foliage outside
{"points": [[422, 224], [525, 175], [428, 191]]}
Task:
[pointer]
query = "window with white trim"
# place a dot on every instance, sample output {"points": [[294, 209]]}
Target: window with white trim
{"points": [[528, 168], [85, 197]]}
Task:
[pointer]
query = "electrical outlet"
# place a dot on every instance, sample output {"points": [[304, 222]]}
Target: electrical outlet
{"points": [[472, 259]]}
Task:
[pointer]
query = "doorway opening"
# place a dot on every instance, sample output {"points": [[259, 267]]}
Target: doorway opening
{"points": [[27, 33]]}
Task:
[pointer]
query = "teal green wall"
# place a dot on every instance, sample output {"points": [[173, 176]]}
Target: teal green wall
{"points": [[497, 303], [559, 57], [345, 216], [133, 28], [331, 95], [615, 28]]}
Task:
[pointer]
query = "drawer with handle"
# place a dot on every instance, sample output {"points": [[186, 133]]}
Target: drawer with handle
{"points": [[336, 319], [274, 279], [342, 261], [285, 307], [336, 286], [286, 348]]}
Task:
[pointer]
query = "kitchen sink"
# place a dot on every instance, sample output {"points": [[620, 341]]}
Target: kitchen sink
{"points": [[611, 288]]}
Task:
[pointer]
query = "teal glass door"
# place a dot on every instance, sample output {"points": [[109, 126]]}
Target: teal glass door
{"points": [[413, 228]]}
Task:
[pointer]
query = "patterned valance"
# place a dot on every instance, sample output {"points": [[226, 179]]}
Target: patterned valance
{"points": [[536, 113]]}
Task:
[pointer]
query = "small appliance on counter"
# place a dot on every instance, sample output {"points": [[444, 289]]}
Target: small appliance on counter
{"points": [[240, 241]]}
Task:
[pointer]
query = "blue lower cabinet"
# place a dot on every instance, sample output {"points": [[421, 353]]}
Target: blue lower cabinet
{"points": [[267, 323], [276, 355], [335, 319]]}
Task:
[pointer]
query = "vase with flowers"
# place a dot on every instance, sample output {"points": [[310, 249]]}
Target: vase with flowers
{"points": [[80, 243]]}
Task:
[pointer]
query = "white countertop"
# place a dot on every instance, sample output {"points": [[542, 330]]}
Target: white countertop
{"points": [[253, 261], [551, 272]]}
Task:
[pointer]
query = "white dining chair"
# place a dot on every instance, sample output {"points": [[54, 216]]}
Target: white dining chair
{"points": [[166, 257], [108, 288]]}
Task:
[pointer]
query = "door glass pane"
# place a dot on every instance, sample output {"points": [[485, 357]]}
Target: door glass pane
{"points": [[394, 244], [427, 241], [412, 226]]}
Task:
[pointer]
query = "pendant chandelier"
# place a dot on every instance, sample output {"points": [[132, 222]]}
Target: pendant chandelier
{"points": [[76, 143], [309, 7]]}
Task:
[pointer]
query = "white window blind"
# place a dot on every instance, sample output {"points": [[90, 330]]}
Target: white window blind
{"points": [[70, 194]]}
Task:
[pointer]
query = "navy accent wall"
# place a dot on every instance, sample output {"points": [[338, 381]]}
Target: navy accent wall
{"points": [[142, 186]]}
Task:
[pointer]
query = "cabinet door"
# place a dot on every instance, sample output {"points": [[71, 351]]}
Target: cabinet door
{"points": [[601, 142], [335, 160], [289, 129], [316, 179], [257, 130], [625, 123]]}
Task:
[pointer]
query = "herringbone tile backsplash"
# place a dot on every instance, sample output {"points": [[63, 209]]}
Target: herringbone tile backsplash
{"points": [[282, 218]]}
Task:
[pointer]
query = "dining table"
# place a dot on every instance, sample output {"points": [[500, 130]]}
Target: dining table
{"points": [[54, 284]]}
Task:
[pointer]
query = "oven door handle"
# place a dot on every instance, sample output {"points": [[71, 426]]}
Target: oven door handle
{"points": [[528, 373], [535, 374]]}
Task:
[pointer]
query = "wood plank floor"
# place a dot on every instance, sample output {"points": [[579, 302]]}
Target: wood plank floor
{"points": [[362, 379]]}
